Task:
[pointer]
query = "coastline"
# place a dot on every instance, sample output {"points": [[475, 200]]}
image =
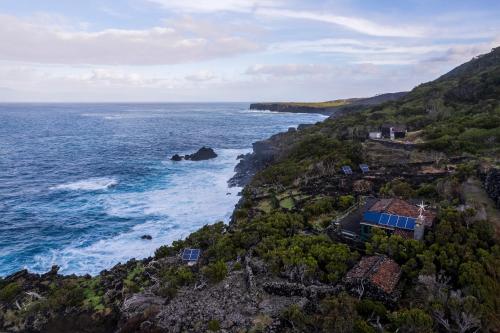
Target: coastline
{"points": [[261, 154]]}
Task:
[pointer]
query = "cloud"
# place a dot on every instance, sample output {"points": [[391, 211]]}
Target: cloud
{"points": [[382, 52], [201, 76], [360, 25], [289, 69], [22, 40], [203, 6]]}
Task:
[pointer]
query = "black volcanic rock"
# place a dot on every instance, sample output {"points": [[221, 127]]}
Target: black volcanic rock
{"points": [[202, 154], [176, 158]]}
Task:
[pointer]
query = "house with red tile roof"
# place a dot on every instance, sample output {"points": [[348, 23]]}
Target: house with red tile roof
{"points": [[376, 277]]}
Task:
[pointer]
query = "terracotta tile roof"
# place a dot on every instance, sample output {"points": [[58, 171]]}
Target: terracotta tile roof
{"points": [[400, 207], [381, 271]]}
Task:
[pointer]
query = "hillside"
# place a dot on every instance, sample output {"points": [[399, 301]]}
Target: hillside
{"points": [[330, 107], [283, 266]]}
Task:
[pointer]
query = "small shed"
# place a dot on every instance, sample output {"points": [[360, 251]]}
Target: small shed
{"points": [[376, 277], [393, 131]]}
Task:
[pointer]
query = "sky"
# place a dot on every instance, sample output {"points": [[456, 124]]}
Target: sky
{"points": [[234, 50]]}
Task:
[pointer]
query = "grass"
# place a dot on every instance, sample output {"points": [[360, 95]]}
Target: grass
{"points": [[327, 104], [287, 203], [265, 206]]}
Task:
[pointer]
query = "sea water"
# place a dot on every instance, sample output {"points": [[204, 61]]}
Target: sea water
{"points": [[81, 183]]}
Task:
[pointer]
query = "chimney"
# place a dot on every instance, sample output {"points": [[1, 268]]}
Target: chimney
{"points": [[418, 233]]}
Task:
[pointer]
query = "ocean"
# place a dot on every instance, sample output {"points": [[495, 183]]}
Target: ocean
{"points": [[81, 183]]}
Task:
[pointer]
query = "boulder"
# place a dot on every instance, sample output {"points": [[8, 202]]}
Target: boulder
{"points": [[176, 158], [202, 154], [146, 237]]}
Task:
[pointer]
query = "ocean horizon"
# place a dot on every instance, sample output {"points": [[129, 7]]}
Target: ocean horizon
{"points": [[80, 183]]}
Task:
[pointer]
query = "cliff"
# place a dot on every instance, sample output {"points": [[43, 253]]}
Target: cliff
{"points": [[335, 107]]}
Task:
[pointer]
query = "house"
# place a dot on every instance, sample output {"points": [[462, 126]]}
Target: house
{"points": [[374, 276], [396, 216], [375, 135], [392, 131]]}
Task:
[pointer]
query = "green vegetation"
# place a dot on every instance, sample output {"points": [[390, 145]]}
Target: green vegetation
{"points": [[213, 325], [9, 292], [216, 271]]}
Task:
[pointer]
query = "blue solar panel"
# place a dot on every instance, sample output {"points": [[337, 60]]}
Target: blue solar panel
{"points": [[191, 254], [347, 170], [393, 220], [364, 168], [402, 222], [372, 217], [410, 225], [384, 219]]}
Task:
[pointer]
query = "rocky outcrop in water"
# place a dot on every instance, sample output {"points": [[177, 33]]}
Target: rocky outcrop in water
{"points": [[202, 154]]}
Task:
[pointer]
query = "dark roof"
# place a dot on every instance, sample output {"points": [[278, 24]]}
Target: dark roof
{"points": [[396, 127], [381, 271], [400, 207]]}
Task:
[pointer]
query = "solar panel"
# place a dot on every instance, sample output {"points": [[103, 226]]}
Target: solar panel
{"points": [[191, 254], [393, 220], [410, 225], [347, 170], [364, 168], [384, 219], [390, 220], [402, 222]]}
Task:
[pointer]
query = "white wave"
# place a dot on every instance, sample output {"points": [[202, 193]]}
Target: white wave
{"points": [[191, 195], [91, 184]]}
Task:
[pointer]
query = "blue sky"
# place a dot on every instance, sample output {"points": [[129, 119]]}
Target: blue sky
{"points": [[234, 50]]}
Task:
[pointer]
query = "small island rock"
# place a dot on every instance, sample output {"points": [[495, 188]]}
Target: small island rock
{"points": [[176, 158], [203, 153], [146, 237]]}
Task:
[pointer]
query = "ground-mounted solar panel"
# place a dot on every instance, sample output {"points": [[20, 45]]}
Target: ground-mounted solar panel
{"points": [[364, 168], [347, 170], [191, 254], [195, 254]]}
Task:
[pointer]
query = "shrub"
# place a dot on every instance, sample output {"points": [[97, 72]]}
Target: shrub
{"points": [[213, 325], [9, 292], [412, 321], [216, 271]]}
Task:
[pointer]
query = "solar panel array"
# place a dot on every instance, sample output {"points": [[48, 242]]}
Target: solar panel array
{"points": [[347, 170], [364, 168], [391, 220], [191, 254]]}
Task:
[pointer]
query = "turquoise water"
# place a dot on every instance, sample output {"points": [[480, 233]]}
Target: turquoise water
{"points": [[80, 183]]}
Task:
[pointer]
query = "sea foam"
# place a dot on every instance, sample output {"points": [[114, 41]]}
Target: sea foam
{"points": [[91, 184], [192, 194]]}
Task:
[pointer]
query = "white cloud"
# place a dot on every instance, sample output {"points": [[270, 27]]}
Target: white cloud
{"points": [[205, 6], [289, 69], [201, 76], [22, 40], [360, 25]]}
